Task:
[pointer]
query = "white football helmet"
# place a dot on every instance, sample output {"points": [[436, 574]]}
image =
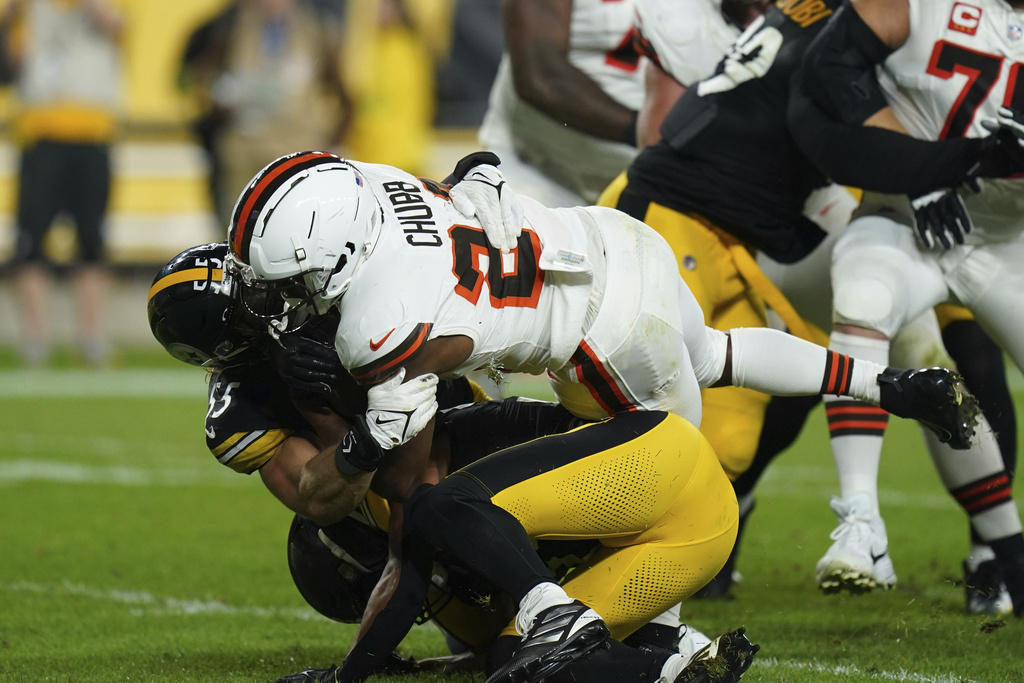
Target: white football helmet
{"points": [[299, 232]]}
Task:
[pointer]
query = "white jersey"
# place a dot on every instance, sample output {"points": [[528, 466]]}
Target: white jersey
{"points": [[572, 299], [689, 37], [462, 285], [600, 45], [962, 62]]}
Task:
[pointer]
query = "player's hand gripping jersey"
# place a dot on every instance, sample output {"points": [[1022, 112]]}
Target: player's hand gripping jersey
{"points": [[962, 62], [737, 114], [686, 38]]}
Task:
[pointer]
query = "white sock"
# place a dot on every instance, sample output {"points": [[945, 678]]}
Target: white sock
{"points": [[540, 597], [669, 617], [858, 450], [979, 553]]}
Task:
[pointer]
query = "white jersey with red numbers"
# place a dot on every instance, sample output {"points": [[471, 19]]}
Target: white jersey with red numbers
{"points": [[581, 165], [687, 37], [962, 62], [571, 299]]}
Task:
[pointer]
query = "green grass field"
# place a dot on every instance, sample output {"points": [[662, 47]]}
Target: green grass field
{"points": [[127, 553]]}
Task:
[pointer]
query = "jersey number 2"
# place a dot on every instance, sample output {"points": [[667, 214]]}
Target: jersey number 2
{"points": [[519, 286]]}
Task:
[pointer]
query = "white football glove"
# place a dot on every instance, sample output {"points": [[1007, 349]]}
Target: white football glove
{"points": [[485, 194], [397, 412]]}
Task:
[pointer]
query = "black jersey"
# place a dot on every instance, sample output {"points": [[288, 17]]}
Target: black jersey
{"points": [[251, 411], [726, 151], [249, 415]]}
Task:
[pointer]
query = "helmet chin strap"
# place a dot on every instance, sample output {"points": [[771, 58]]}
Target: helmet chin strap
{"points": [[278, 326]]}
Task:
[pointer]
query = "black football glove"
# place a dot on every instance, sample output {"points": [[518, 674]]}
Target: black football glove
{"points": [[1002, 152], [308, 366], [942, 216]]}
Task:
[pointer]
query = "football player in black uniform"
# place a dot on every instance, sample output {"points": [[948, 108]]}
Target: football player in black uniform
{"points": [[730, 177]]}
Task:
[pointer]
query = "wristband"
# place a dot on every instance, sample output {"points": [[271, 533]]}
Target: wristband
{"points": [[470, 161], [358, 452]]}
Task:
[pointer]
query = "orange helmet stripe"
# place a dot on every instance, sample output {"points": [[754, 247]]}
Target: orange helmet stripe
{"points": [[260, 190]]}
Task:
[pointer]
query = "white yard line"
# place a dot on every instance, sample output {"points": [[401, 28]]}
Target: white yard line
{"points": [[146, 603], [184, 383], [29, 443], [846, 670], [16, 471]]}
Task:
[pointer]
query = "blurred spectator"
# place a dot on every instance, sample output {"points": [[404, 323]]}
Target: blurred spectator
{"points": [[464, 79], [65, 59], [390, 51], [267, 76]]}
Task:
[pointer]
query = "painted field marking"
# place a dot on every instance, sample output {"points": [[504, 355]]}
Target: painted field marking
{"points": [[151, 604], [184, 383]]}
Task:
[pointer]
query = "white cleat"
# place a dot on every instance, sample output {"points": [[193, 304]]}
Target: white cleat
{"points": [[858, 560]]}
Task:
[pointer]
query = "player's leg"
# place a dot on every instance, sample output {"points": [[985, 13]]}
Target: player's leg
{"points": [[644, 569], [880, 280], [918, 345], [988, 280], [38, 205], [87, 202]]}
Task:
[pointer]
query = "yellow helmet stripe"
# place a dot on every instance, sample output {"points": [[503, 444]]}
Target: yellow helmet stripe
{"points": [[190, 275]]}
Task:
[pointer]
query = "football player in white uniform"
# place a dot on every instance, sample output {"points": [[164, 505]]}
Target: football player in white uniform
{"points": [[737, 147], [590, 296], [948, 70], [563, 107]]}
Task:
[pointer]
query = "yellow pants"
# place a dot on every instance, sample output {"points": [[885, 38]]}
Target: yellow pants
{"points": [[658, 503]]}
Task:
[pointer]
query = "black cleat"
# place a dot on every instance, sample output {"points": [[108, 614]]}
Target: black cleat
{"points": [[985, 591], [328, 675], [558, 636], [1013, 581], [936, 397], [723, 661]]}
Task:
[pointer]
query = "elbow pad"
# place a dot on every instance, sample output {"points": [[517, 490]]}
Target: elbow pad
{"points": [[840, 64]]}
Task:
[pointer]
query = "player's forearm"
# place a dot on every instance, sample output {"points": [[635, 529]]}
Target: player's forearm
{"points": [[397, 601], [537, 34], [325, 494], [877, 159], [569, 96]]}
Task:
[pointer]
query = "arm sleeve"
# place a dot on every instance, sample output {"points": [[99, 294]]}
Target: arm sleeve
{"points": [[392, 623], [876, 159], [840, 64]]}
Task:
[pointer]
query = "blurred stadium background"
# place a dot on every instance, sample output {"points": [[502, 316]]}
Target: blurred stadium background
{"points": [[159, 201]]}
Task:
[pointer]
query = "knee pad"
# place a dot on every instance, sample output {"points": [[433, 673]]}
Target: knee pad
{"points": [[869, 272]]}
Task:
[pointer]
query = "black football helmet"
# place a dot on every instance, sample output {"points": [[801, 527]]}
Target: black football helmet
{"points": [[192, 309], [336, 575]]}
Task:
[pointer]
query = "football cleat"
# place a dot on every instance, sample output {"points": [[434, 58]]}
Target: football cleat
{"points": [[936, 397], [1013, 580], [723, 661], [328, 675], [984, 589], [558, 636], [858, 561]]}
